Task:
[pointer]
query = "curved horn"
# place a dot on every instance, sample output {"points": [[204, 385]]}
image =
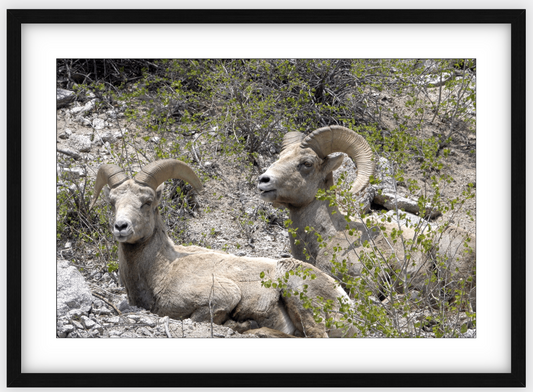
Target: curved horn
{"points": [[291, 138], [335, 138], [111, 175], [155, 173]]}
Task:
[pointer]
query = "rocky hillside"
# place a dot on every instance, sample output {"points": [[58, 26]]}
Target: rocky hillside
{"points": [[228, 215]]}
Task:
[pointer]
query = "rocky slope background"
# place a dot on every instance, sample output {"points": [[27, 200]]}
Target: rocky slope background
{"points": [[226, 118]]}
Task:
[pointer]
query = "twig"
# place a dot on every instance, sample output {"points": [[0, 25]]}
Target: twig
{"points": [[107, 302], [210, 307], [303, 328], [197, 156], [166, 328]]}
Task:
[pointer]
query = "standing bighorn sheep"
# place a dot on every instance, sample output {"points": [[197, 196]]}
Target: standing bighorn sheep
{"points": [[306, 166], [203, 284]]}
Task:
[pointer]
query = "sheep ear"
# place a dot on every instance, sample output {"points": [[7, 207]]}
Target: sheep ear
{"points": [[332, 162], [105, 191], [159, 192]]}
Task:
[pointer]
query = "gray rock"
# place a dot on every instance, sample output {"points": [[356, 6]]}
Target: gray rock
{"points": [[69, 153], [134, 317], [64, 97], [66, 134], [98, 303], [144, 331], [102, 311], [123, 305], [392, 201], [129, 334], [148, 321], [72, 290], [384, 174], [106, 137], [469, 334], [75, 314], [63, 331], [83, 121], [87, 322], [77, 324], [80, 143]]}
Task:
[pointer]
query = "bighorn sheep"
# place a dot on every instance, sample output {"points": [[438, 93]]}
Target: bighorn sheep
{"points": [[190, 281], [305, 166]]}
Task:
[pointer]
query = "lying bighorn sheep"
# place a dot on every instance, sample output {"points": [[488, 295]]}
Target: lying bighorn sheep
{"points": [[181, 282], [305, 166]]}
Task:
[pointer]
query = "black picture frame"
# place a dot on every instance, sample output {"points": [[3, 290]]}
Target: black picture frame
{"points": [[15, 377]]}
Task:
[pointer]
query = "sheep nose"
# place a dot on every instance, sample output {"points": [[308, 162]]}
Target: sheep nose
{"points": [[121, 225], [263, 178]]}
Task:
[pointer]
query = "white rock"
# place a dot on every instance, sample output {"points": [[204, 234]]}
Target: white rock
{"points": [[87, 322], [98, 124], [73, 173], [84, 109], [64, 97], [120, 134], [409, 219], [80, 143], [393, 201]]}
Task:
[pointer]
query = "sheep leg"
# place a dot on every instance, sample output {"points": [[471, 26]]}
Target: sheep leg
{"points": [[203, 315], [303, 319], [241, 326], [265, 332]]}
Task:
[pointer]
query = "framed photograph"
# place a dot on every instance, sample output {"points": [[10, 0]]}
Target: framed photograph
{"points": [[493, 41]]}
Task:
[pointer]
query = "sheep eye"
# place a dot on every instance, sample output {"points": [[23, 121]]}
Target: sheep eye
{"points": [[308, 164]]}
